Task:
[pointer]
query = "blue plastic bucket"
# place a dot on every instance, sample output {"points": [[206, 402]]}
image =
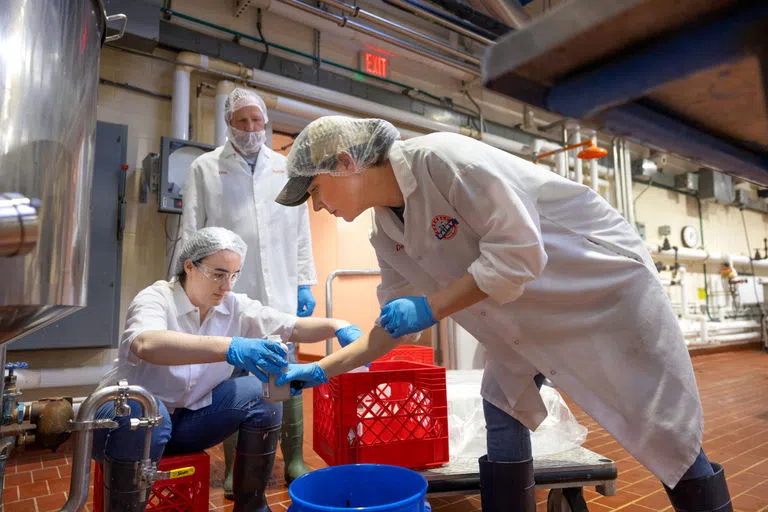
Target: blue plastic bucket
{"points": [[361, 487]]}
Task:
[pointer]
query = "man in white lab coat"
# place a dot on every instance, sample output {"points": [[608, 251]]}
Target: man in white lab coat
{"points": [[234, 187], [541, 270]]}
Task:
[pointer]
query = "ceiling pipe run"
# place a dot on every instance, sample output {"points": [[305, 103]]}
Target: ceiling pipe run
{"points": [[343, 21], [429, 15], [356, 12]]}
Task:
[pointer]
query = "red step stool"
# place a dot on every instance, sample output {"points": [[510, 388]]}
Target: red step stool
{"points": [[187, 492]]}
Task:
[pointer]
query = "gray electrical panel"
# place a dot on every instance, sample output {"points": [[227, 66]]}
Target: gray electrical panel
{"points": [[716, 186]]}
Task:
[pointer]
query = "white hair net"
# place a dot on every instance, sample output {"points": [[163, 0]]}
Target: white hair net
{"points": [[207, 241], [240, 98], [314, 151]]}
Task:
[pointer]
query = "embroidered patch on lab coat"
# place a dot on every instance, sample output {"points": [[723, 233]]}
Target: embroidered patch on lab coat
{"points": [[444, 227]]}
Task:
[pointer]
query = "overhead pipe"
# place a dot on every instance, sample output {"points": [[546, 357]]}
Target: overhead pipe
{"points": [[343, 21], [315, 94], [428, 13], [356, 12], [702, 255]]}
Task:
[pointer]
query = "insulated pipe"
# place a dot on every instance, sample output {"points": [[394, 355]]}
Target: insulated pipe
{"points": [[329, 295], [81, 459], [223, 88], [628, 183], [343, 21], [441, 21], [701, 255], [60, 377], [356, 12], [593, 170], [579, 162], [180, 104], [314, 93]]}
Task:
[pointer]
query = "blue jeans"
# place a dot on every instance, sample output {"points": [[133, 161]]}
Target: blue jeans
{"points": [[235, 402], [508, 440]]}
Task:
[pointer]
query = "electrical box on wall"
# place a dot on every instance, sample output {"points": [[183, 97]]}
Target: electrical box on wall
{"points": [[176, 156], [687, 181], [716, 186]]}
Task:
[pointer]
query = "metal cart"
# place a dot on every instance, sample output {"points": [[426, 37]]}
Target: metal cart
{"points": [[565, 474]]}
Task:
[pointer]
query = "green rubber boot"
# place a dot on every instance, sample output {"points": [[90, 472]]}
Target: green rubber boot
{"points": [[229, 445], [292, 439]]}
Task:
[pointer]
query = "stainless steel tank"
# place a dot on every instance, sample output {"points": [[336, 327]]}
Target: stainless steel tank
{"points": [[49, 69]]}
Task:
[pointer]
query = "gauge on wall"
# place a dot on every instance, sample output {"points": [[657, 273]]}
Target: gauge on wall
{"points": [[690, 236]]}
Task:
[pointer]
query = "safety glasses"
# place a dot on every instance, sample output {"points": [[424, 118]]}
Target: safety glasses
{"points": [[219, 276]]}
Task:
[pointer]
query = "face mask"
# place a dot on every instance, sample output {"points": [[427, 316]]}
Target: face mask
{"points": [[249, 143]]}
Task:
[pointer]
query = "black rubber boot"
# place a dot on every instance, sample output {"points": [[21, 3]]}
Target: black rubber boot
{"points": [[507, 486], [254, 458], [123, 488], [707, 494], [229, 445], [292, 439]]}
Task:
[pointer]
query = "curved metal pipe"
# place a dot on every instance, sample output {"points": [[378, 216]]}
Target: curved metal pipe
{"points": [[81, 458], [343, 21], [356, 12], [440, 21], [329, 294]]}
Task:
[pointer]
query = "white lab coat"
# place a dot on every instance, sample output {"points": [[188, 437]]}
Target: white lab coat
{"points": [[164, 306], [221, 191], [573, 292]]}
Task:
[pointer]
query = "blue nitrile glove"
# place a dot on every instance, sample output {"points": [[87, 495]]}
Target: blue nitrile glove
{"points": [[306, 302], [260, 357], [302, 376], [348, 334], [406, 315]]}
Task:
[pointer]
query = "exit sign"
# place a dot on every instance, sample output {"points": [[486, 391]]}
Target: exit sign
{"points": [[374, 64]]}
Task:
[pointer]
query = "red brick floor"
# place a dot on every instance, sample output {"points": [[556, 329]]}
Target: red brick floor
{"points": [[734, 391]]}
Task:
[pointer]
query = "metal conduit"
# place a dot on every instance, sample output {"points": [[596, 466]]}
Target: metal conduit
{"points": [[329, 294], [356, 12], [441, 21], [343, 21]]}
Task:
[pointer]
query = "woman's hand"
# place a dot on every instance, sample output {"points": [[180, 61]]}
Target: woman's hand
{"points": [[406, 315], [301, 376], [260, 357], [348, 334]]}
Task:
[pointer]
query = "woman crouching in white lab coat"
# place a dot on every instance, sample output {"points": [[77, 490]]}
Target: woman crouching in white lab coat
{"points": [[181, 341], [541, 270]]}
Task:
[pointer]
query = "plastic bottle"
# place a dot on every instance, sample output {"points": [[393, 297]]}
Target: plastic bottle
{"points": [[271, 391]]}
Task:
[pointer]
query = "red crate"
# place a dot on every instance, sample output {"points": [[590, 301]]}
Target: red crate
{"points": [[182, 494], [396, 413], [413, 353]]}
